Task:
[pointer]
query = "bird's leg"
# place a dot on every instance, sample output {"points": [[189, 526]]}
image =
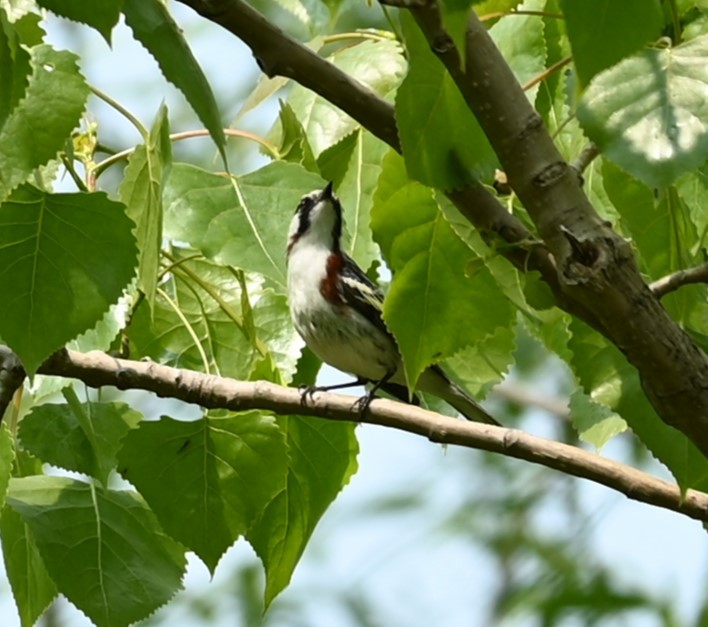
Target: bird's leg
{"points": [[363, 403], [309, 390]]}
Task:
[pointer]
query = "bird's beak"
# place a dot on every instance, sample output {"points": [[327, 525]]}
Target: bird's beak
{"points": [[327, 191]]}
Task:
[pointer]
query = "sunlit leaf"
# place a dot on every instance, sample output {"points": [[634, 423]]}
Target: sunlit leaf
{"points": [[243, 223], [647, 113]]}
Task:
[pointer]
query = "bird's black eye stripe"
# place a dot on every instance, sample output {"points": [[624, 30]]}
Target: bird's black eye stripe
{"points": [[304, 209]]}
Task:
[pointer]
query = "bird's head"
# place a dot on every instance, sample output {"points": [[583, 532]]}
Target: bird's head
{"points": [[317, 221]]}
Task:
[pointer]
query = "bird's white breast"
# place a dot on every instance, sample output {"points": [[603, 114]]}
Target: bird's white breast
{"points": [[337, 334]]}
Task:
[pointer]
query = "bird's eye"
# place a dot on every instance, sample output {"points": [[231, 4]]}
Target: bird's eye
{"points": [[306, 203]]}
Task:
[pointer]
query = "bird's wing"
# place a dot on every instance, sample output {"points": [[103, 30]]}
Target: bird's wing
{"points": [[361, 293]]}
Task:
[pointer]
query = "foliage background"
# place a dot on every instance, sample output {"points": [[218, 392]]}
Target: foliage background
{"points": [[404, 527]]}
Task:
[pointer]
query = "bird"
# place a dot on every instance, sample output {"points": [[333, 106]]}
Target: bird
{"points": [[337, 310]]}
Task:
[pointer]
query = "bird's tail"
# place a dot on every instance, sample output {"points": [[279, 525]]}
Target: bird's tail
{"points": [[435, 381]]}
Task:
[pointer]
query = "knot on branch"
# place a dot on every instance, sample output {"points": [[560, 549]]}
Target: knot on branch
{"points": [[442, 44], [585, 258], [550, 174]]}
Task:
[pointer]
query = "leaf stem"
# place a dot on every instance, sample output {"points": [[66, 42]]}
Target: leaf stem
{"points": [[202, 132], [69, 166], [188, 327], [496, 14], [359, 34], [121, 109], [675, 22], [558, 65], [223, 305]]}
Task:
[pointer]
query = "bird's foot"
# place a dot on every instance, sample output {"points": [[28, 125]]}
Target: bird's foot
{"points": [[361, 404], [307, 392]]}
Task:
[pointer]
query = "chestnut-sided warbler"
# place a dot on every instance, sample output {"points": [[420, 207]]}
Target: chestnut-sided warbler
{"points": [[337, 310]]}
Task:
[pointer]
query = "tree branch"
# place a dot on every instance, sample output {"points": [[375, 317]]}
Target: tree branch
{"points": [[279, 54], [603, 288], [661, 287], [97, 369], [585, 158], [597, 268], [12, 375]]}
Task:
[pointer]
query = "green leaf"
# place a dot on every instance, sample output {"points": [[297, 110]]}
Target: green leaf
{"points": [[610, 380], [64, 259], [693, 190], [38, 126], [208, 480], [155, 29], [521, 40], [83, 437], [294, 145], [17, 9], [437, 152], [197, 322], [326, 124], [273, 326], [15, 68], [481, 366], [354, 165], [495, 6], [242, 222], [104, 549], [645, 219], [32, 587], [141, 191], [102, 15], [455, 14], [595, 423], [509, 281], [665, 238], [602, 32], [102, 335], [322, 460], [429, 262], [7, 457], [646, 113]]}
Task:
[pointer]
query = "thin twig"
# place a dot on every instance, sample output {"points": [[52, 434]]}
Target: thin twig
{"points": [[97, 369], [174, 137], [670, 283], [585, 158], [558, 65]]}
